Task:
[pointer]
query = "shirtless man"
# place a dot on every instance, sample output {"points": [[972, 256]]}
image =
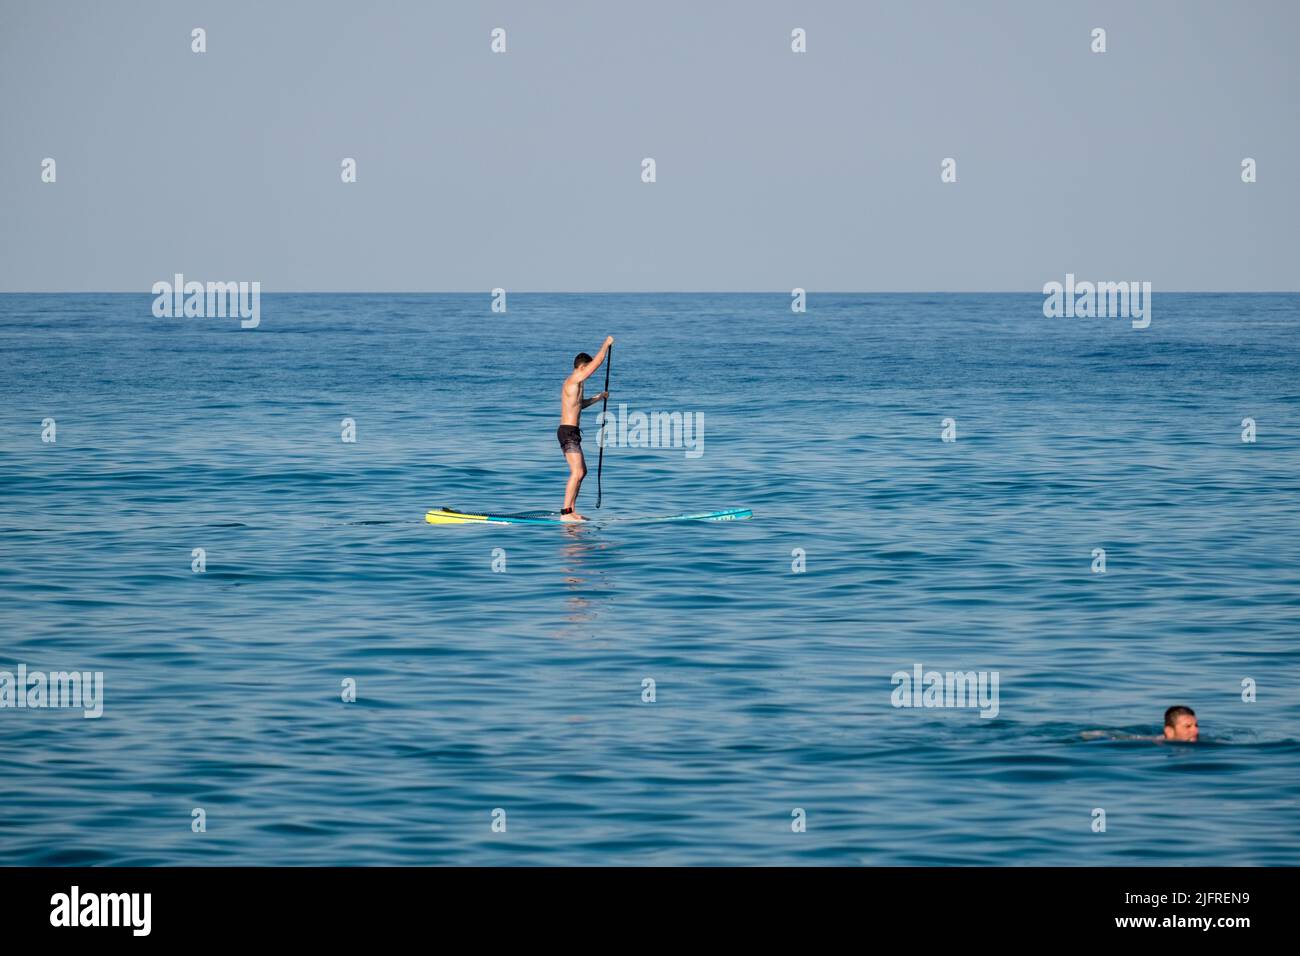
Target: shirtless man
{"points": [[1180, 728], [569, 434]]}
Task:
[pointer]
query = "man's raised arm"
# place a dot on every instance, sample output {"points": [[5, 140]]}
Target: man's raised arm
{"points": [[581, 375]]}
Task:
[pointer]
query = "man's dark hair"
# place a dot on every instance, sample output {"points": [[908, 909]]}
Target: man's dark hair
{"points": [[582, 358], [1173, 713]]}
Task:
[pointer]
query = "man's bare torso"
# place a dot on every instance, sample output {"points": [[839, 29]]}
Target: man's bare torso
{"points": [[570, 402]]}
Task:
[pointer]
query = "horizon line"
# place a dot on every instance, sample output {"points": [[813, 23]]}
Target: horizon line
{"points": [[782, 292]]}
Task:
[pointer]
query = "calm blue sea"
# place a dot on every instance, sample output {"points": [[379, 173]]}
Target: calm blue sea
{"points": [[522, 690]]}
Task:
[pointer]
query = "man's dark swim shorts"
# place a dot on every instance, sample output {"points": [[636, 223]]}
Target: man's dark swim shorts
{"points": [[570, 437]]}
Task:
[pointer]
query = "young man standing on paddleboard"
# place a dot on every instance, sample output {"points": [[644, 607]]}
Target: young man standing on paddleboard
{"points": [[569, 434]]}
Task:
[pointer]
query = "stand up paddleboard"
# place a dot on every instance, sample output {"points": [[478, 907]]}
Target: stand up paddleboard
{"points": [[448, 516], [451, 516]]}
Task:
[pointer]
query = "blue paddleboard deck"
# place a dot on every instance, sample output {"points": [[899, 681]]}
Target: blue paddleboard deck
{"points": [[449, 516]]}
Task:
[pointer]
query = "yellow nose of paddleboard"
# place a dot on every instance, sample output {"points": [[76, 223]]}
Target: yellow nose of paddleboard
{"points": [[443, 516]]}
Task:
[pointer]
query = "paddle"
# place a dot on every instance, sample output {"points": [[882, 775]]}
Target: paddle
{"points": [[600, 463]]}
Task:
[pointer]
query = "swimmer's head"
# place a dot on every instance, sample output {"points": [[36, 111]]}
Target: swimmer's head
{"points": [[1180, 725]]}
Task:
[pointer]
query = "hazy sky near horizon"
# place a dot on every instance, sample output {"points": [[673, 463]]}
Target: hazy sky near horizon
{"points": [[523, 170]]}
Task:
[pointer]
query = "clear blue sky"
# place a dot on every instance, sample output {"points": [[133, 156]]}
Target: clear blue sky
{"points": [[775, 170]]}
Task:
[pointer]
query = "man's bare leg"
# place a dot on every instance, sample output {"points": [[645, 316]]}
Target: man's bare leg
{"points": [[577, 471]]}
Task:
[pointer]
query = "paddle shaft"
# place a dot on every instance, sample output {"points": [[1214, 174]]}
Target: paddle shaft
{"points": [[600, 462]]}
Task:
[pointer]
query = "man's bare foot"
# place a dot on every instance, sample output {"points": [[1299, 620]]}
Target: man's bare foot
{"points": [[572, 517]]}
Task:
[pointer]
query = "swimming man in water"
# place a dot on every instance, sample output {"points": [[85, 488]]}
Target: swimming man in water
{"points": [[1180, 725], [1180, 728]]}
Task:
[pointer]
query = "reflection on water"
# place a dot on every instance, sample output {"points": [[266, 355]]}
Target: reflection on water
{"points": [[581, 575]]}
